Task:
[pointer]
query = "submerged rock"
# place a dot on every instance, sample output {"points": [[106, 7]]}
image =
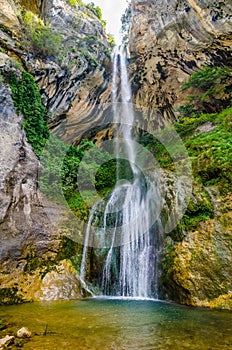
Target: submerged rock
{"points": [[24, 333]]}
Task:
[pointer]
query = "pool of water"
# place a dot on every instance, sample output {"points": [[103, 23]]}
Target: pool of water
{"points": [[119, 324]]}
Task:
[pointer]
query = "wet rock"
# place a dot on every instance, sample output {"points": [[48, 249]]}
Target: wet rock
{"points": [[63, 284]]}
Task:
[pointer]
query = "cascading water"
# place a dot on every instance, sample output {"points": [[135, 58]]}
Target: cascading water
{"points": [[130, 263]]}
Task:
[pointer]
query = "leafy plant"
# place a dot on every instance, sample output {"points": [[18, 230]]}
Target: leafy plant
{"points": [[209, 83], [97, 11], [27, 99], [44, 41], [210, 152]]}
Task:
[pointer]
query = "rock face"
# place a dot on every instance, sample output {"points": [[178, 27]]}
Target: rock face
{"points": [[197, 270], [73, 78], [75, 84], [169, 40], [72, 70], [29, 241]]}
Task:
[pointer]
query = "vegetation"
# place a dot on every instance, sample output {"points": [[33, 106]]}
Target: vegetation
{"points": [[9, 296], [75, 2], [111, 40], [207, 138], [97, 11], [27, 99], [43, 40], [207, 84]]}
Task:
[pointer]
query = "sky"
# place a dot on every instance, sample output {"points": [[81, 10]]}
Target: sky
{"points": [[112, 11]]}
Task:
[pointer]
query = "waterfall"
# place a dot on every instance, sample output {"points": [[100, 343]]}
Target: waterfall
{"points": [[130, 264]]}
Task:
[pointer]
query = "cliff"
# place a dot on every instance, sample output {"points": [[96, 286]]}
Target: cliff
{"points": [[62, 45], [169, 42]]}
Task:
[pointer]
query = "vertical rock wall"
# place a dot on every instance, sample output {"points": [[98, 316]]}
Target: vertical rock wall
{"points": [[169, 40]]}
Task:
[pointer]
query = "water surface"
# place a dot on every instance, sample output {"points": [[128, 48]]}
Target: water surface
{"points": [[120, 324]]}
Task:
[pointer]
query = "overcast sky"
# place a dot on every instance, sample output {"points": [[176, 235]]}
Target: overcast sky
{"points": [[112, 10]]}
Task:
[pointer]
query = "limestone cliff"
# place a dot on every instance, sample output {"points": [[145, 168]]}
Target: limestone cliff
{"points": [[67, 51], [169, 40]]}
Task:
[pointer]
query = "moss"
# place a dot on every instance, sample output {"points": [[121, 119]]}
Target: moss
{"points": [[223, 302], [70, 250], [9, 296], [33, 262]]}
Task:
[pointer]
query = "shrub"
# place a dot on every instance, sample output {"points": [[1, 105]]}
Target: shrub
{"points": [[44, 41], [97, 11], [213, 91], [27, 99]]}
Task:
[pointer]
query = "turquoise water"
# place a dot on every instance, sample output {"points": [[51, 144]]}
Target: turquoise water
{"points": [[105, 324]]}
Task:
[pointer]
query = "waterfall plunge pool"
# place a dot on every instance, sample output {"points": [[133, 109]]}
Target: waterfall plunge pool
{"points": [[119, 324]]}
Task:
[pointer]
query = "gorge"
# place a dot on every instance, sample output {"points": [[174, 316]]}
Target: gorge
{"points": [[179, 68]]}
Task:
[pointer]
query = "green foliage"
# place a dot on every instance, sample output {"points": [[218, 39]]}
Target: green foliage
{"points": [[157, 149], [91, 59], [69, 250], [2, 325], [210, 152], [75, 2], [69, 170], [52, 160], [97, 11], [111, 40], [9, 296], [110, 172], [43, 39], [187, 125], [27, 99], [207, 78], [209, 83], [201, 209]]}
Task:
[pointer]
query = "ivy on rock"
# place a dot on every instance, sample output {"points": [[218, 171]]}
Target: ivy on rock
{"points": [[27, 100]]}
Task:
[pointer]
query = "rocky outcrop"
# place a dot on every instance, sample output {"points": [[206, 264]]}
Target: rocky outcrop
{"points": [[72, 73], [169, 40], [197, 270], [30, 242]]}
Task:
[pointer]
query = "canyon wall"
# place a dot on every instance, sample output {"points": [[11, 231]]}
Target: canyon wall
{"points": [[168, 42], [65, 48]]}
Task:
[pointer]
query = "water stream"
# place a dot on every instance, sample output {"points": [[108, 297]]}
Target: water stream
{"points": [[130, 264]]}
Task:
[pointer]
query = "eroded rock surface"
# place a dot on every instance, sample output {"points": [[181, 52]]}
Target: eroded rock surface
{"points": [[72, 82], [169, 40]]}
